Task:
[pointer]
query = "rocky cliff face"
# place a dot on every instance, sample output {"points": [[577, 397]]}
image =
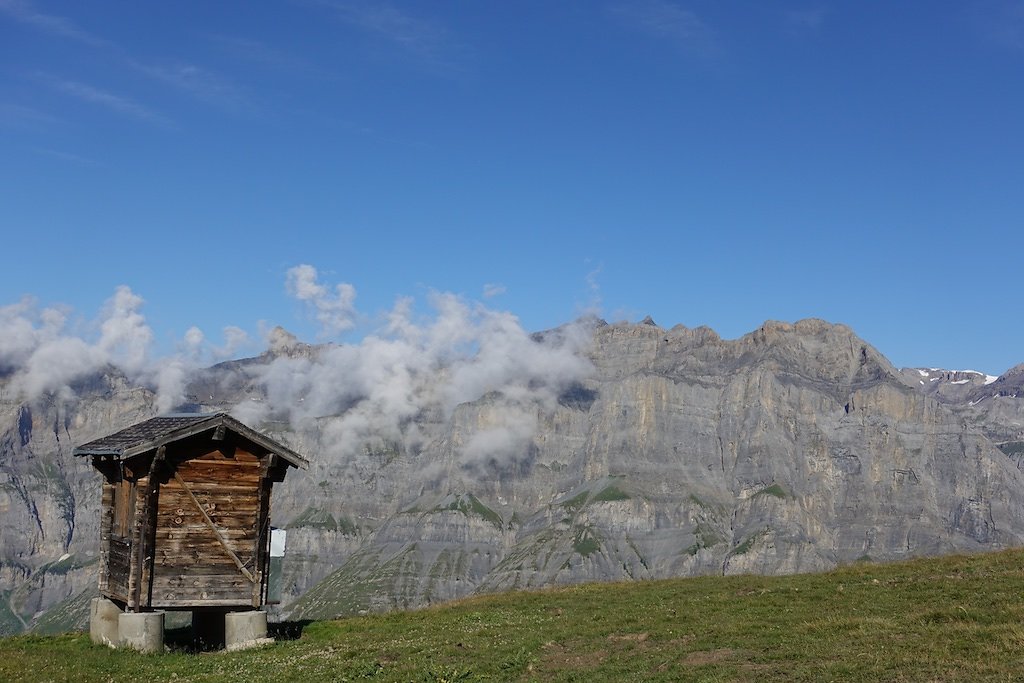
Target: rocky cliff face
{"points": [[49, 501], [794, 448], [995, 405]]}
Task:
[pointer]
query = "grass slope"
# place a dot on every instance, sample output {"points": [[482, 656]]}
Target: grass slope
{"points": [[950, 619]]}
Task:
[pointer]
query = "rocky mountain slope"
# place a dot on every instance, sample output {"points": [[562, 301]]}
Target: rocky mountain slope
{"points": [[672, 452], [49, 501], [992, 404]]}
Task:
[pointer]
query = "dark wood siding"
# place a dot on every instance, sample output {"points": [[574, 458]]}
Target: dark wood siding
{"points": [[186, 524], [193, 563], [138, 583], [119, 560], [115, 549], [106, 518]]}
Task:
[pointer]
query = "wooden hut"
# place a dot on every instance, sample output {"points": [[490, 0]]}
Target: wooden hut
{"points": [[185, 521]]}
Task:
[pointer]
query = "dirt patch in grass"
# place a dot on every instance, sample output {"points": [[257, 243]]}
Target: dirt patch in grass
{"points": [[559, 657]]}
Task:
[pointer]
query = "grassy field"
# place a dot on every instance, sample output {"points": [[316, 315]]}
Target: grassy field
{"points": [[951, 619]]}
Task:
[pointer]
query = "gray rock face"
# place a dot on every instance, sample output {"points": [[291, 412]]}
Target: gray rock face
{"points": [[794, 448], [49, 501], [995, 405]]}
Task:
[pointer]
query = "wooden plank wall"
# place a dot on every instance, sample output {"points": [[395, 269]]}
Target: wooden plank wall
{"points": [[191, 566], [137, 583], [115, 552], [106, 516], [263, 525]]}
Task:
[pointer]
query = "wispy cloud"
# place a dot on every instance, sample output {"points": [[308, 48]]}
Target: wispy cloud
{"points": [[68, 156], [492, 290], [668, 21], [425, 39], [23, 11], [191, 79], [334, 310], [593, 304], [106, 99], [195, 81], [20, 116], [416, 364], [412, 33], [259, 53]]}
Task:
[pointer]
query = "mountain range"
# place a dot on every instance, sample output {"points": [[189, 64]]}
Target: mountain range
{"points": [[590, 452]]}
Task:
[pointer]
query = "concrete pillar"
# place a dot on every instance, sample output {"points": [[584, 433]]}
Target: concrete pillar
{"points": [[103, 616], [142, 631], [245, 629]]}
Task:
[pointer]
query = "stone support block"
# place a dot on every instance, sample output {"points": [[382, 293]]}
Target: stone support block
{"points": [[245, 629], [142, 631], [103, 622]]}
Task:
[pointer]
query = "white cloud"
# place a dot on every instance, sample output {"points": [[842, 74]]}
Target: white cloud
{"points": [[41, 353], [106, 99], [593, 305], [669, 21], [125, 337], [417, 35], [67, 156], [44, 356], [170, 376], [372, 391], [234, 339], [195, 81], [505, 443], [335, 311], [428, 43], [198, 348], [19, 333], [189, 78], [492, 290], [361, 395], [24, 12], [56, 363], [193, 340]]}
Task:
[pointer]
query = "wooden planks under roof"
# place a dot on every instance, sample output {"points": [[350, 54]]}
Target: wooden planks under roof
{"points": [[164, 429]]}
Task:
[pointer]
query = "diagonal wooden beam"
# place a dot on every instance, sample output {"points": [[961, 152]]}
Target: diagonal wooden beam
{"points": [[216, 532]]}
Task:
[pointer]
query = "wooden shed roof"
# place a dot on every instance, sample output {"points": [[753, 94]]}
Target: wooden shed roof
{"points": [[164, 429]]}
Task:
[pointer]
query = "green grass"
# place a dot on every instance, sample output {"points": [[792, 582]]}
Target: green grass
{"points": [[9, 622], [67, 564], [706, 536], [610, 493], [746, 546], [951, 619], [576, 502], [68, 615], [598, 492], [585, 541], [317, 518], [468, 504], [773, 490]]}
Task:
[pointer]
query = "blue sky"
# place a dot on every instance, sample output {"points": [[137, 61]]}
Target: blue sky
{"points": [[706, 163]]}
